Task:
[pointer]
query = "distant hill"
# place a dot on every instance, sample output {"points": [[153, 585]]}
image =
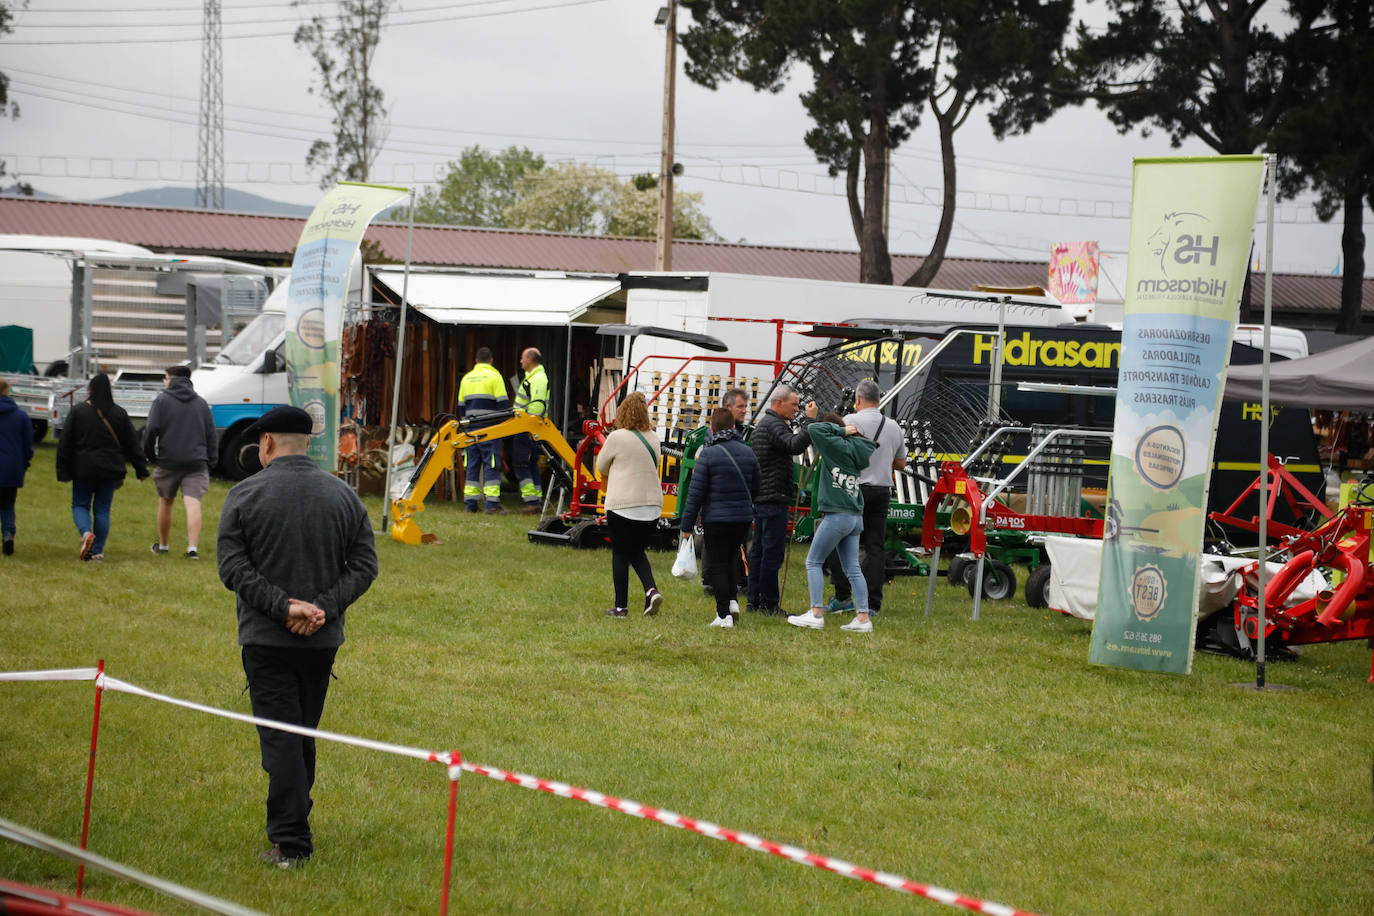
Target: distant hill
{"points": [[185, 198]]}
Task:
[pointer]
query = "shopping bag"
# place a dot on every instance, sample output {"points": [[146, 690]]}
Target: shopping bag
{"points": [[685, 566]]}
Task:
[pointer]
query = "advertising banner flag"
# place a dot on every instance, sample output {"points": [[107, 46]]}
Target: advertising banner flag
{"points": [[1073, 272], [315, 301], [1191, 225]]}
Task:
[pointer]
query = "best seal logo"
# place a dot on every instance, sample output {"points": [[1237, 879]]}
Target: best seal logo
{"points": [[317, 415], [310, 329], [1148, 591], [1159, 456]]}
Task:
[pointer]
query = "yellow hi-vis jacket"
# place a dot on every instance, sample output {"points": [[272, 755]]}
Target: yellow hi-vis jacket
{"points": [[482, 389], [533, 394]]}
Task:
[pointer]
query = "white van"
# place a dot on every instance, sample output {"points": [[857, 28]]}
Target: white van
{"points": [[246, 379], [1289, 342]]}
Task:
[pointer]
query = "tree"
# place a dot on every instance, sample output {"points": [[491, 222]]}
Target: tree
{"points": [[1329, 142], [984, 53], [869, 79], [1194, 68], [635, 212], [343, 53], [477, 187], [570, 197], [8, 108]]}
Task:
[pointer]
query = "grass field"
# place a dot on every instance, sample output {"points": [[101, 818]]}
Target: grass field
{"points": [[984, 756]]}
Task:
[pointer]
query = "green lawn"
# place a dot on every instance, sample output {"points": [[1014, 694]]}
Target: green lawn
{"points": [[986, 757]]}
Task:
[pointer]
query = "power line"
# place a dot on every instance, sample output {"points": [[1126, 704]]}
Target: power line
{"points": [[182, 25], [392, 24]]}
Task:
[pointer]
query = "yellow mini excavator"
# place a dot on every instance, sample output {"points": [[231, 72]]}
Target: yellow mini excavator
{"points": [[456, 435]]}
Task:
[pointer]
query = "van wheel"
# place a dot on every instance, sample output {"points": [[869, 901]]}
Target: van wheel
{"points": [[238, 456]]}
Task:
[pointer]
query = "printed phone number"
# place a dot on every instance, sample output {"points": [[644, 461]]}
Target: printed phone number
{"points": [[1133, 636]]}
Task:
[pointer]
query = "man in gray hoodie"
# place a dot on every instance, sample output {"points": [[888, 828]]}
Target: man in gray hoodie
{"points": [[180, 439]]}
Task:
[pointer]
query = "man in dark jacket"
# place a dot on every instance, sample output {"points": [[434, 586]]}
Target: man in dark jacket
{"points": [[296, 548], [180, 438], [775, 444], [725, 480], [16, 452]]}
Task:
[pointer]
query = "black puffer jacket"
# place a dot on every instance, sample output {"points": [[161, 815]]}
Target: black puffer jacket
{"points": [[774, 443], [87, 450]]}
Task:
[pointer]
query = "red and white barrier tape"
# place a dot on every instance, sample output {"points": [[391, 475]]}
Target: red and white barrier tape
{"points": [[561, 789]]}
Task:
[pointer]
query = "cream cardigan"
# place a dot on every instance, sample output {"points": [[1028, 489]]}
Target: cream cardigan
{"points": [[631, 479]]}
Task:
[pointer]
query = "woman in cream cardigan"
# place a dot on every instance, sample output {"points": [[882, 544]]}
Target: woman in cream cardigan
{"points": [[628, 461]]}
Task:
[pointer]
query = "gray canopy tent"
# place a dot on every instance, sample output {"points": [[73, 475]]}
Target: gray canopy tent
{"points": [[1338, 379]]}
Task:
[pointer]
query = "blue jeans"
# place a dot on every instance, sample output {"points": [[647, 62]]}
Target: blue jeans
{"points": [[93, 498], [766, 553], [839, 532]]}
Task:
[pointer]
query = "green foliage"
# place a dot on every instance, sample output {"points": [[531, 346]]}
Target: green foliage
{"points": [[1195, 68], [343, 53], [983, 756], [8, 107], [635, 213], [569, 197], [477, 187]]}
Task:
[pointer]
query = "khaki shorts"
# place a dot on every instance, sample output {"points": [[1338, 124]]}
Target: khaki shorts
{"points": [[193, 484]]}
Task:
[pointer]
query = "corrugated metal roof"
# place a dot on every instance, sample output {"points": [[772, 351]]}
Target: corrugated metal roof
{"points": [[256, 237]]}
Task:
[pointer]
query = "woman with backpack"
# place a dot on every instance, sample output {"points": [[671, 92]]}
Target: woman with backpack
{"points": [[725, 481], [96, 441], [628, 462]]}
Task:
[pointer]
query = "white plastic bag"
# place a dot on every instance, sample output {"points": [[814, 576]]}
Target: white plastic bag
{"points": [[402, 469], [685, 566]]}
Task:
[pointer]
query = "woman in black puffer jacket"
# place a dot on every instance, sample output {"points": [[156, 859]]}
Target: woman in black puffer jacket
{"points": [[96, 441], [725, 481]]}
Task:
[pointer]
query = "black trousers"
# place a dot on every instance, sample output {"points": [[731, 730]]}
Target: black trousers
{"points": [[873, 560], [288, 685], [629, 538], [721, 560]]}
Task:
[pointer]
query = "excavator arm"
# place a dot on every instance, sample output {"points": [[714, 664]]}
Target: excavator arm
{"points": [[452, 438]]}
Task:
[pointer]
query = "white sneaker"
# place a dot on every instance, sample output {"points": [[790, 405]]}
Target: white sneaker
{"points": [[734, 609], [727, 623], [858, 626], [807, 619]]}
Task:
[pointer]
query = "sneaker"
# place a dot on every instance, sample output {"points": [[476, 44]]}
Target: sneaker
{"points": [[471, 507], [87, 542], [653, 600], [97, 557], [836, 606], [750, 607], [7, 547], [726, 623], [772, 610], [495, 510], [858, 626], [158, 548], [617, 612], [734, 609], [278, 859], [191, 554], [806, 619], [532, 509]]}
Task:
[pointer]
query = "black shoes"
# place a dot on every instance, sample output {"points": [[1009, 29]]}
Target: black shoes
{"points": [[278, 859], [7, 547]]}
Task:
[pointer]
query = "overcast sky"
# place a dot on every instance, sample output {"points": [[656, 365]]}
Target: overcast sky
{"points": [[109, 93]]}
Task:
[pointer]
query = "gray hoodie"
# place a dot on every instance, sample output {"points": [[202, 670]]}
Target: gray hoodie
{"points": [[180, 434]]}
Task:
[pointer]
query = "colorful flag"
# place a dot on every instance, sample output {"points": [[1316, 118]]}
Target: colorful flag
{"points": [[1191, 225], [314, 309], [1073, 272]]}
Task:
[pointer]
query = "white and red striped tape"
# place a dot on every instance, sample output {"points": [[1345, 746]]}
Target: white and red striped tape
{"points": [[561, 789]]}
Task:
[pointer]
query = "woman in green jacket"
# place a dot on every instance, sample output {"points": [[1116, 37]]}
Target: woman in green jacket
{"points": [[839, 504]]}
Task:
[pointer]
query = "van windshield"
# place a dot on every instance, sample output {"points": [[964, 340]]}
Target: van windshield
{"points": [[260, 334]]}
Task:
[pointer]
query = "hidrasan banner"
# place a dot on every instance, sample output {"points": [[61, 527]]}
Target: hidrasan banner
{"points": [[1191, 226], [315, 300]]}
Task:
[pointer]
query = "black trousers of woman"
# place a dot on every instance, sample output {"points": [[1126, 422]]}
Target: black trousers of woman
{"points": [[723, 541], [629, 538]]}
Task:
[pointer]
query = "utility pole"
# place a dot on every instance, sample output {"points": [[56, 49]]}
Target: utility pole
{"points": [[663, 255], [210, 150]]}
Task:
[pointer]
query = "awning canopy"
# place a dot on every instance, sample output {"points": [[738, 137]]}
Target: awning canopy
{"points": [[497, 300], [1338, 379]]}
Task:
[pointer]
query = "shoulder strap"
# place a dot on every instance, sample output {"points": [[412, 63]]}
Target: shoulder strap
{"points": [[647, 447], [742, 479], [108, 427]]}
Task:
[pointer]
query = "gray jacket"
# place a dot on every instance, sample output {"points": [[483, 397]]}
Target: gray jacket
{"points": [[180, 433], [294, 531]]}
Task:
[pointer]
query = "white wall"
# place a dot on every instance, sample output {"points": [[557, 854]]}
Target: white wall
{"points": [[35, 293]]}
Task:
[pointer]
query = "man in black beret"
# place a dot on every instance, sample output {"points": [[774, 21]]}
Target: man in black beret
{"points": [[296, 548]]}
